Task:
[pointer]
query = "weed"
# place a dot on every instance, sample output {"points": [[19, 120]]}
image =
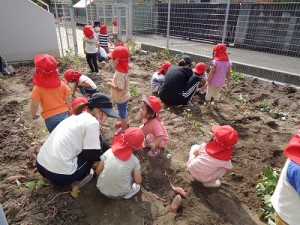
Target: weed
{"points": [[37, 183], [133, 90], [187, 113], [198, 126], [265, 188], [237, 77], [266, 107], [241, 99], [132, 47], [166, 55]]}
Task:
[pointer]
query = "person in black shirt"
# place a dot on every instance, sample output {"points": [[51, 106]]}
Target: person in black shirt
{"points": [[180, 83]]}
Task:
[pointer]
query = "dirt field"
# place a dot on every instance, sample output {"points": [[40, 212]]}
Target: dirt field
{"points": [[261, 141]]}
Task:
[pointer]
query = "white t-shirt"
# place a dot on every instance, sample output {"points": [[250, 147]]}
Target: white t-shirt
{"points": [[116, 178], [157, 78], [59, 152], [285, 199], [88, 80], [90, 45]]}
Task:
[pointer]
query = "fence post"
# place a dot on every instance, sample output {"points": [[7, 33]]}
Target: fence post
{"points": [[58, 26], [225, 23], [73, 25], [86, 13], [130, 19], [168, 25]]}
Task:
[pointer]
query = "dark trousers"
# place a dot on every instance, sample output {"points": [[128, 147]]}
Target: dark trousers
{"points": [[87, 92], [91, 59], [83, 169], [182, 97]]}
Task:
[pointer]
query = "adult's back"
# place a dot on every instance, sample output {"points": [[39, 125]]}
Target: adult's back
{"points": [[179, 86]]}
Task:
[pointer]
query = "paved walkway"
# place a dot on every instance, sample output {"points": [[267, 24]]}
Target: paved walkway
{"points": [[269, 66]]}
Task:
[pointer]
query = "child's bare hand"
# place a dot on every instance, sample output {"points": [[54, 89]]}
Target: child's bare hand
{"points": [[109, 84]]}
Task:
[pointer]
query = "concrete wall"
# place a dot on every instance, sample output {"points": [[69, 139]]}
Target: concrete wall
{"points": [[26, 30]]}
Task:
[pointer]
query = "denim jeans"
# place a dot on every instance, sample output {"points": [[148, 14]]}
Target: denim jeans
{"points": [[53, 121]]}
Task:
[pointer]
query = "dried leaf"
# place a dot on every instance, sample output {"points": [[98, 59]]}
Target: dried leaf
{"points": [[75, 191]]}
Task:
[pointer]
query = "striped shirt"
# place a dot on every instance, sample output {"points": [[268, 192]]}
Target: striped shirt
{"points": [[103, 40]]}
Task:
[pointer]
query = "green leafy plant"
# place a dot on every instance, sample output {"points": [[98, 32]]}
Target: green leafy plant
{"points": [[266, 107], [166, 55], [132, 47], [237, 77], [265, 188], [36, 183], [197, 125], [241, 99], [133, 90]]}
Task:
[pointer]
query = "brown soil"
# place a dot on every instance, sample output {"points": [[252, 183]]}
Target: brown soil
{"points": [[262, 139]]}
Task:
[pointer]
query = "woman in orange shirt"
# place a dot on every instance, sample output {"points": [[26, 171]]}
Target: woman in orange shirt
{"points": [[49, 92]]}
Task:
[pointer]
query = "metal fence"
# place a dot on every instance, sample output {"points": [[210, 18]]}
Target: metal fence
{"points": [[272, 28]]}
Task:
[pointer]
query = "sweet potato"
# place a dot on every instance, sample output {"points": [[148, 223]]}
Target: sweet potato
{"points": [[179, 190], [12, 179], [176, 203]]}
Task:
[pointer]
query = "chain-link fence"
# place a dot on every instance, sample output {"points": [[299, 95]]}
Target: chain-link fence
{"points": [[272, 28]]}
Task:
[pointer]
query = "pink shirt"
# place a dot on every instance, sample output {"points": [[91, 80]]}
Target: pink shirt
{"points": [[205, 168], [157, 128], [218, 80]]}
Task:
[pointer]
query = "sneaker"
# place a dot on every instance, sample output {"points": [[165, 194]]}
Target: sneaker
{"points": [[153, 153], [191, 105], [156, 88], [85, 180], [134, 190], [213, 184]]}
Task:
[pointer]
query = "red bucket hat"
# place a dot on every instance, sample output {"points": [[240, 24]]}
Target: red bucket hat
{"points": [[71, 75], [79, 100], [123, 55], [225, 137], [199, 68], [219, 52], [46, 75], [164, 67], [153, 102], [114, 22], [88, 31], [123, 144], [103, 29], [292, 150]]}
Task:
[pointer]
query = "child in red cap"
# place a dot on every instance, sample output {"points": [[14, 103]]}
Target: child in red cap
{"points": [[119, 171], [210, 161], [200, 70], [219, 74], [86, 85], [49, 92], [115, 30], [120, 83], [91, 48], [286, 197], [158, 78], [103, 38], [156, 135]]}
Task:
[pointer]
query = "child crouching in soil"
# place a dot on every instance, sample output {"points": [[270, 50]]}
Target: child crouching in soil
{"points": [[84, 83], [119, 171], [156, 135], [210, 161]]}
